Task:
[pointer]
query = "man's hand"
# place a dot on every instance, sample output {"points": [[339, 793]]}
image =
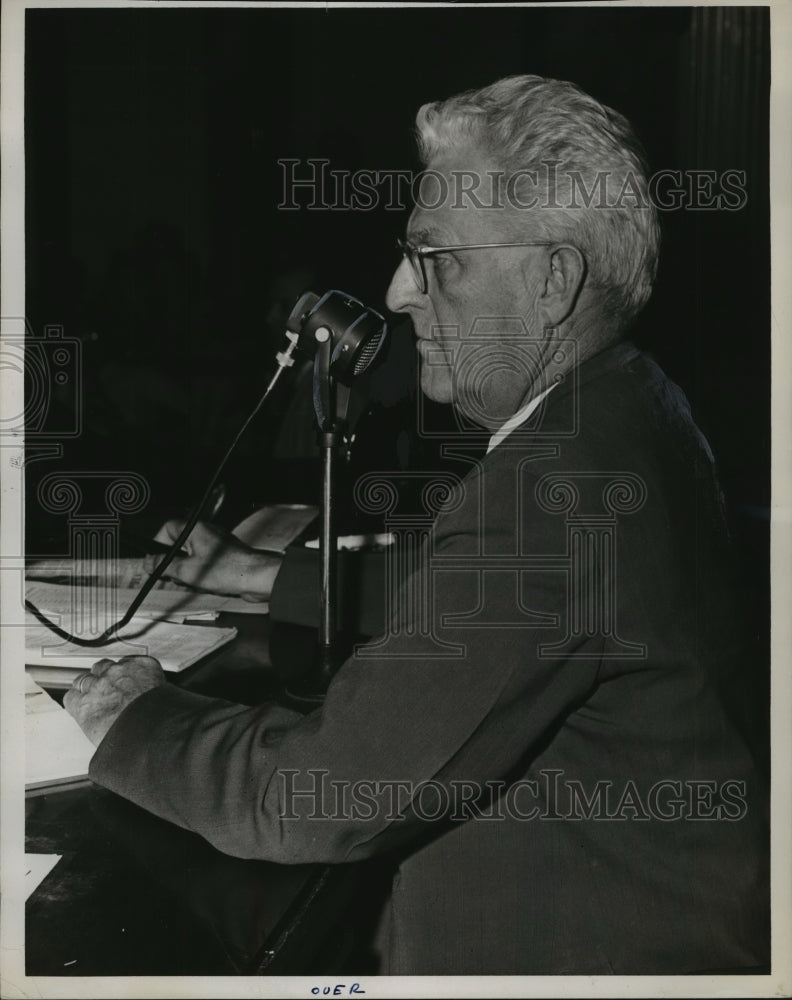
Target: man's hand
{"points": [[97, 699], [218, 562]]}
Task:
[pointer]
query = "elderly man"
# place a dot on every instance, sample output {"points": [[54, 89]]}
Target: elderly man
{"points": [[546, 750]]}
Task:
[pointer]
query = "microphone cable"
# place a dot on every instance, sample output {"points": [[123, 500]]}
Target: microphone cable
{"points": [[285, 360]]}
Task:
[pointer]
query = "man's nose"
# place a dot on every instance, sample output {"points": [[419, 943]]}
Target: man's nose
{"points": [[403, 291]]}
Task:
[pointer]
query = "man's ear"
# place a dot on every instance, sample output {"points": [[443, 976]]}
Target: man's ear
{"points": [[562, 284]]}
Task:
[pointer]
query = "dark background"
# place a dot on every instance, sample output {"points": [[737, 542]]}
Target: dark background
{"points": [[154, 237]]}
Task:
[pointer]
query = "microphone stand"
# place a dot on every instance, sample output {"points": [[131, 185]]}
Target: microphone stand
{"points": [[333, 406], [332, 399], [328, 549], [359, 335]]}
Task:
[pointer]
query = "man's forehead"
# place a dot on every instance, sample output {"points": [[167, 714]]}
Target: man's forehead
{"points": [[446, 213], [449, 225]]}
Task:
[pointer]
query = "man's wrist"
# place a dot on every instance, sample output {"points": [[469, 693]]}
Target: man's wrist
{"points": [[261, 569]]}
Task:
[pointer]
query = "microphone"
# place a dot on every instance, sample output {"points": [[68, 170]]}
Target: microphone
{"points": [[356, 332]]}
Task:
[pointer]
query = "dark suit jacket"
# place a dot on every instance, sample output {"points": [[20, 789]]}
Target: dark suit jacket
{"points": [[567, 675]]}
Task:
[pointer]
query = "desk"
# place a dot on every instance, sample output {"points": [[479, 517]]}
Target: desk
{"points": [[135, 895]]}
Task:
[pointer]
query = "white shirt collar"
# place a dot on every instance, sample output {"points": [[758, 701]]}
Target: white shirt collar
{"points": [[519, 418]]}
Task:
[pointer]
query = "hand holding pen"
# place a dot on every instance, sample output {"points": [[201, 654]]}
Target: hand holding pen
{"points": [[216, 561]]}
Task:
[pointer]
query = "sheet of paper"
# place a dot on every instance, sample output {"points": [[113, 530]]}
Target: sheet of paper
{"points": [[127, 572], [36, 699], [37, 868], [276, 526], [354, 542], [175, 646], [110, 603]]}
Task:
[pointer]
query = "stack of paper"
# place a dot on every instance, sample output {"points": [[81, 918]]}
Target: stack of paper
{"points": [[57, 751]]}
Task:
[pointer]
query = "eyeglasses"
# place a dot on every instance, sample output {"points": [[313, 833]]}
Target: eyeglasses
{"points": [[417, 255]]}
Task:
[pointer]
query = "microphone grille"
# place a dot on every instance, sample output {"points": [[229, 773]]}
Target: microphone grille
{"points": [[368, 352]]}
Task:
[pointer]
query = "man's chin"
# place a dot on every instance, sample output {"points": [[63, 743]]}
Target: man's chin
{"points": [[435, 387]]}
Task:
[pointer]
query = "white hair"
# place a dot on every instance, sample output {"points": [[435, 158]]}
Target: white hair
{"points": [[524, 123]]}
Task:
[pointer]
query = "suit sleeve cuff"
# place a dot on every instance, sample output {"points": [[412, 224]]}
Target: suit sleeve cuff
{"points": [[141, 724]]}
